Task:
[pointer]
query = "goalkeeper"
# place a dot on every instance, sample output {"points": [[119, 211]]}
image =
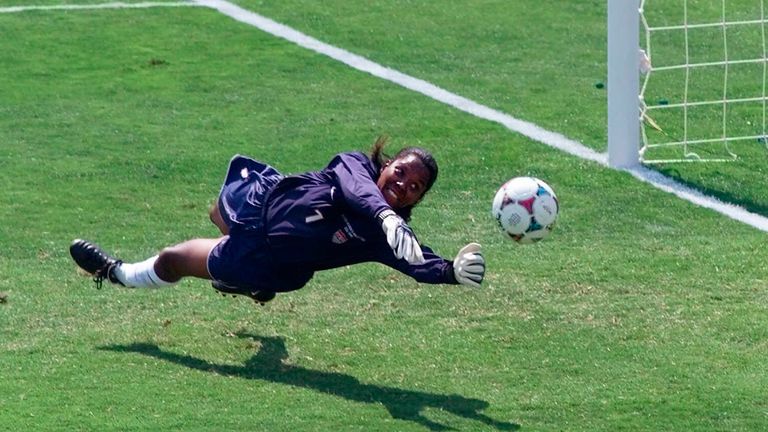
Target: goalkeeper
{"points": [[279, 230]]}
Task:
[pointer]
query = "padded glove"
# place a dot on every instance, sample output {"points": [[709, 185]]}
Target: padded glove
{"points": [[401, 238], [469, 265]]}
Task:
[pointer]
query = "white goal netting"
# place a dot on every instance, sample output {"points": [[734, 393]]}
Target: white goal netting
{"points": [[703, 90]]}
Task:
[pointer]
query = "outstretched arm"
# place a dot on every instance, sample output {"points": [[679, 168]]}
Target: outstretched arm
{"points": [[468, 268]]}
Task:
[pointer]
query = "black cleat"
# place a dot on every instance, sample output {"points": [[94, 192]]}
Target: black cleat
{"points": [[260, 297], [93, 260]]}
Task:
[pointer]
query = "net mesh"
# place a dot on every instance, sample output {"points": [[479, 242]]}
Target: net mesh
{"points": [[703, 93]]}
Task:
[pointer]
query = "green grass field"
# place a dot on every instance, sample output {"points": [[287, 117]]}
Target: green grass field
{"points": [[641, 312]]}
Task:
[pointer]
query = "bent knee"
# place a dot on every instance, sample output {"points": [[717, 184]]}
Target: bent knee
{"points": [[215, 215], [169, 263]]}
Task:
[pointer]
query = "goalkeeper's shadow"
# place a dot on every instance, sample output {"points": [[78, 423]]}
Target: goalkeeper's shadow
{"points": [[269, 364]]}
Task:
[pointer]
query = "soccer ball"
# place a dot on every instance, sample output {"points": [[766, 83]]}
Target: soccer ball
{"points": [[526, 209]]}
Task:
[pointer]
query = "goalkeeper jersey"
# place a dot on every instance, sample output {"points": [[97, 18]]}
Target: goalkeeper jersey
{"points": [[284, 228]]}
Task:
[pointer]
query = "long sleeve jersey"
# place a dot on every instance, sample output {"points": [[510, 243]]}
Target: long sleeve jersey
{"points": [[330, 218]]}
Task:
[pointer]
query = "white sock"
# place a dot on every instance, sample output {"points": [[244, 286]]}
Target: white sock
{"points": [[140, 275]]}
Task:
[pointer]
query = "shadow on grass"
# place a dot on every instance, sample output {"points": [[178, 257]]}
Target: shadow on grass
{"points": [[268, 364], [749, 204]]}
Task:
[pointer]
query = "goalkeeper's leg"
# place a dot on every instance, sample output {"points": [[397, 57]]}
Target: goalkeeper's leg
{"points": [[173, 263], [189, 258]]}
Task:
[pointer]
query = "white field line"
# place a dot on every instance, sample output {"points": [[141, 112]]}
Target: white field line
{"points": [[530, 130], [115, 5], [527, 129], [360, 63], [681, 191]]}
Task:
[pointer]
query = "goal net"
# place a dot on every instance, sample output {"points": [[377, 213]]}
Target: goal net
{"points": [[702, 70], [704, 87]]}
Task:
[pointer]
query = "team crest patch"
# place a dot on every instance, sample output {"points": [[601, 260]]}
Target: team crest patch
{"points": [[346, 233], [340, 237]]}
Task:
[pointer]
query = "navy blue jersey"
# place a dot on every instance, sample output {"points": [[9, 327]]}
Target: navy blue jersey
{"points": [[308, 222]]}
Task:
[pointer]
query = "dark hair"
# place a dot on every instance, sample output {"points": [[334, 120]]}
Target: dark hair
{"points": [[380, 159]]}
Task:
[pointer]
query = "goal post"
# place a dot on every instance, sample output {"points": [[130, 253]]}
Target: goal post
{"points": [[623, 83], [687, 81]]}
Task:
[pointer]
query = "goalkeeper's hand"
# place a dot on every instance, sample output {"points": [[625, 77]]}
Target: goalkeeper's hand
{"points": [[401, 238], [469, 265]]}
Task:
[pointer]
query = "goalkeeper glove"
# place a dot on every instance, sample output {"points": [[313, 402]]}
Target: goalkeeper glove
{"points": [[469, 265], [401, 238]]}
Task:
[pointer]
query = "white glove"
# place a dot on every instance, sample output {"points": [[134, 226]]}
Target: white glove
{"points": [[469, 265], [401, 238]]}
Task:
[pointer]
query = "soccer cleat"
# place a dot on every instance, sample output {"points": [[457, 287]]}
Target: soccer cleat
{"points": [[93, 260], [260, 297]]}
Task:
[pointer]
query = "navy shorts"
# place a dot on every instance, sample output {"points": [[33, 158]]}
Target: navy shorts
{"points": [[242, 259]]}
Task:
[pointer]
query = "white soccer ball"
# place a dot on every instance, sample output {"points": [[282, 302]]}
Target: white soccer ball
{"points": [[526, 209]]}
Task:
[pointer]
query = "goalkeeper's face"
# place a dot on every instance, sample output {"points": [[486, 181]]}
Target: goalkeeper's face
{"points": [[403, 181]]}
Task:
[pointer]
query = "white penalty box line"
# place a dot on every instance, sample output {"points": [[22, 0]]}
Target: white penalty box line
{"points": [[530, 130]]}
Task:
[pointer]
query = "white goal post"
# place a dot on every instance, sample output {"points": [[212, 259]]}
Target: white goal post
{"points": [[623, 83]]}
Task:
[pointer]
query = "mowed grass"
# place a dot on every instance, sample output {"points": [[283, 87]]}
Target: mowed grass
{"points": [[640, 312], [544, 63]]}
